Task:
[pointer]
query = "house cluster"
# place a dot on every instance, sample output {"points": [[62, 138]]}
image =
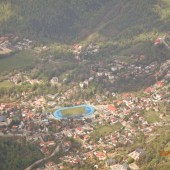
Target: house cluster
{"points": [[110, 74], [12, 43], [84, 52], [136, 71], [24, 44], [125, 112], [90, 50], [137, 154], [85, 83], [123, 166], [21, 78], [22, 120], [4, 45], [164, 71], [108, 71], [117, 69], [64, 98], [35, 103], [44, 146], [7, 114]]}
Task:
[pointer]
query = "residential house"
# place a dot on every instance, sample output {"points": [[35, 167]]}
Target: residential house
{"points": [[137, 154], [110, 162], [54, 81], [100, 155], [99, 74], [3, 121], [119, 167]]}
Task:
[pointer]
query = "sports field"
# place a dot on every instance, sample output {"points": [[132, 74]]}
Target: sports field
{"points": [[73, 111]]}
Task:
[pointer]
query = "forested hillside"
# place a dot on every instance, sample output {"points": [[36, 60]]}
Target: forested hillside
{"points": [[59, 19], [16, 156], [120, 21]]}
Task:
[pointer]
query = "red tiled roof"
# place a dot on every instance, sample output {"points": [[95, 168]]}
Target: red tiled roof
{"points": [[119, 102], [159, 83], [112, 108], [79, 129], [29, 115], [68, 143], [158, 41], [89, 154], [156, 74], [126, 95], [100, 154], [148, 90]]}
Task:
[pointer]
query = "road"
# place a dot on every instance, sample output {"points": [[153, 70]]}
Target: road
{"points": [[57, 149]]}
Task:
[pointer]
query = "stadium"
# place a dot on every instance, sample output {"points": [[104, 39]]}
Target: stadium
{"points": [[76, 112]]}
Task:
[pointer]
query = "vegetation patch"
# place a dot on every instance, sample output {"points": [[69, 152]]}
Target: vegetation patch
{"points": [[151, 116], [11, 155], [6, 12], [150, 139], [102, 131]]}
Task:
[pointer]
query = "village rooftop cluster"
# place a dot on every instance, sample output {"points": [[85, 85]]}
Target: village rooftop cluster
{"points": [[125, 115]]}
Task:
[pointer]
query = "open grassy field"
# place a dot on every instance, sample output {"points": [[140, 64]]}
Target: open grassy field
{"points": [[150, 139], [105, 130], [167, 147], [73, 111], [19, 60], [152, 116], [6, 84]]}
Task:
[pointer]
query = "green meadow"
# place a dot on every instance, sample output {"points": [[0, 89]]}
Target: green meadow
{"points": [[19, 60], [6, 84]]}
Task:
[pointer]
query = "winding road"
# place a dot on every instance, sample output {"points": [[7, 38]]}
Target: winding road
{"points": [[57, 149]]}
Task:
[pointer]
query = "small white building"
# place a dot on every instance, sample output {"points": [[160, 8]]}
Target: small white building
{"points": [[54, 81]]}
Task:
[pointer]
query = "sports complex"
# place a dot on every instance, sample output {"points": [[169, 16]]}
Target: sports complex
{"points": [[76, 112]]}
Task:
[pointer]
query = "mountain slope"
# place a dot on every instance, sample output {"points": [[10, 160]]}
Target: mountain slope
{"points": [[49, 18], [68, 20]]}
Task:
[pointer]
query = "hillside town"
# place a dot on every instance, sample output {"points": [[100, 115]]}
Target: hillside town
{"points": [[98, 139], [114, 124], [84, 85]]}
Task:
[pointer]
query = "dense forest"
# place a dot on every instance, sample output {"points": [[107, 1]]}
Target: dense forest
{"points": [[51, 18], [72, 20], [17, 156]]}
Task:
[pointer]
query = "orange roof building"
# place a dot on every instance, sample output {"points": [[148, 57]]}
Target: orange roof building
{"points": [[112, 108]]}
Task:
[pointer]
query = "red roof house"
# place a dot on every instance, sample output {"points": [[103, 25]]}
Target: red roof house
{"points": [[112, 108]]}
